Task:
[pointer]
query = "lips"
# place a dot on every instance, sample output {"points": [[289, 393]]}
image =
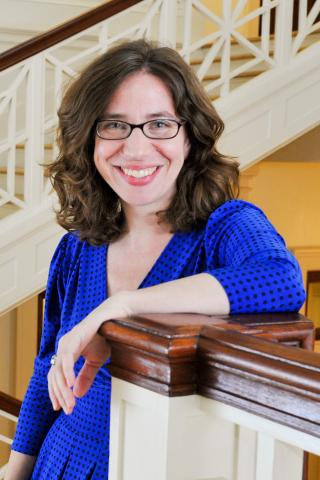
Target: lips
{"points": [[141, 173], [135, 175]]}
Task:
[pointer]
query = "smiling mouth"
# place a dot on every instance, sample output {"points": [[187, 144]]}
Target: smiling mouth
{"points": [[139, 173]]}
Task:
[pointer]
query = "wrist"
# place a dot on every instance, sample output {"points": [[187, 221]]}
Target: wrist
{"points": [[118, 305]]}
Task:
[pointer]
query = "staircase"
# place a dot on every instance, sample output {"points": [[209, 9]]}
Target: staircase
{"points": [[264, 86]]}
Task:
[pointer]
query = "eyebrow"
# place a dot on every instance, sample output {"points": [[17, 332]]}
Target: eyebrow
{"points": [[161, 114]]}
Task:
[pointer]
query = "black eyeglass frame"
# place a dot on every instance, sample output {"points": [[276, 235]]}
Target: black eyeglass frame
{"points": [[141, 126]]}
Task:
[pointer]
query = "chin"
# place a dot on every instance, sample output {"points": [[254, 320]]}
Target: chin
{"points": [[159, 202]]}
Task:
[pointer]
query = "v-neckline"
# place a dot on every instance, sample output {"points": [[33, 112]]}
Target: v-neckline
{"points": [[150, 272]]}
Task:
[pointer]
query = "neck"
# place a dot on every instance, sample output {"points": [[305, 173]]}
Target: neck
{"points": [[142, 222]]}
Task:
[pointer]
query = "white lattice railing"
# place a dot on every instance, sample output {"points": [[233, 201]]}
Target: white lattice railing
{"points": [[4, 438], [31, 90]]}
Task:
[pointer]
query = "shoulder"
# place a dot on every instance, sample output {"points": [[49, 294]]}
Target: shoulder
{"points": [[67, 253], [69, 245], [237, 221], [232, 212]]}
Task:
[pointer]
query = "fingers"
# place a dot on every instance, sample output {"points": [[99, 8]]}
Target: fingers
{"points": [[85, 379], [55, 403], [67, 367], [62, 379], [60, 393]]}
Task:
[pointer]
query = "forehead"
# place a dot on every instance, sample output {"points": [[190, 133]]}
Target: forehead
{"points": [[141, 92]]}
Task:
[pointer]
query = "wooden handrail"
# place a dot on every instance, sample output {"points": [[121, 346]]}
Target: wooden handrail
{"points": [[45, 40], [240, 360], [9, 404], [272, 381]]}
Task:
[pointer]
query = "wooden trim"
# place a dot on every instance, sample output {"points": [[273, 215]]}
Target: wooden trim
{"points": [[313, 276], [45, 40], [159, 352], [272, 381], [9, 404], [227, 358]]}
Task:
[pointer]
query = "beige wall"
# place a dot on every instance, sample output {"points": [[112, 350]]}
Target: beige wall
{"points": [[289, 193]]}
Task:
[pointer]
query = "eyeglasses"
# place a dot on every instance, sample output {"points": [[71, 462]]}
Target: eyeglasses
{"points": [[159, 129]]}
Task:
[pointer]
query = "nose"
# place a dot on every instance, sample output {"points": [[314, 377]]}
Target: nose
{"points": [[137, 145]]}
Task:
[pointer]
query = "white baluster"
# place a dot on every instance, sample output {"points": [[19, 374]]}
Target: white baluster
{"points": [[226, 52], [34, 154], [103, 36], [187, 22], [11, 164], [167, 24], [283, 32], [264, 457], [265, 27], [303, 9], [225, 67]]}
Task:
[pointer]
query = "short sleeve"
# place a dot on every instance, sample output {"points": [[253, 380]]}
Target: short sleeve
{"points": [[249, 258], [36, 414]]}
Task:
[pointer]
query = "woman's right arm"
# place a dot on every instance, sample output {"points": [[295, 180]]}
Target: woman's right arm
{"points": [[36, 414], [20, 466]]}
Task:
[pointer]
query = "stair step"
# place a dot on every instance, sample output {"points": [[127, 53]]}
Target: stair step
{"points": [[235, 57], [10, 208], [248, 74], [21, 146], [18, 171]]}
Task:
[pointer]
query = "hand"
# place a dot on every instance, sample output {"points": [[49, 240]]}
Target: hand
{"points": [[61, 376], [83, 340]]}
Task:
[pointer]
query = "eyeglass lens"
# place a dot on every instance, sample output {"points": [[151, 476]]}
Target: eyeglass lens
{"points": [[116, 130]]}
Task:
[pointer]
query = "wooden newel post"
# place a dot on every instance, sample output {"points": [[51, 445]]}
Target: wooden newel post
{"points": [[218, 398]]}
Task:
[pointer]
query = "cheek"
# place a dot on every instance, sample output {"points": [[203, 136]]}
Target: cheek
{"points": [[98, 151], [103, 151], [174, 152]]}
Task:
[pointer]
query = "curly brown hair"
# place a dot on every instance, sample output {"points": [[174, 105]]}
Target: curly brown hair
{"points": [[87, 204]]}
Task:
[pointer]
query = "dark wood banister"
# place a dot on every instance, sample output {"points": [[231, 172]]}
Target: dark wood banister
{"points": [[240, 360], [45, 40], [9, 404]]}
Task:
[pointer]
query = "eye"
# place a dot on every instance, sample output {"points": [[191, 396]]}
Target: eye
{"points": [[113, 125], [157, 124]]}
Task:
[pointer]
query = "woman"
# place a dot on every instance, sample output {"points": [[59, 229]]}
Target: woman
{"points": [[153, 227]]}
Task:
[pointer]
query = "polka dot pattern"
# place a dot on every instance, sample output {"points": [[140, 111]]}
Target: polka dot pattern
{"points": [[238, 246]]}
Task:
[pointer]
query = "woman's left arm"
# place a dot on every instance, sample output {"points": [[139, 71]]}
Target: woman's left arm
{"points": [[248, 269], [201, 293], [177, 296]]}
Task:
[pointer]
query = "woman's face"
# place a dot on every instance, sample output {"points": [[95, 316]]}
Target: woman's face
{"points": [[123, 163]]}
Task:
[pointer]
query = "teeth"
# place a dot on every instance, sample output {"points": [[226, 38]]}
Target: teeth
{"points": [[139, 173]]}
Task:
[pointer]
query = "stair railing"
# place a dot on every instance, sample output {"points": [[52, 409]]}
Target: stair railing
{"points": [[218, 398]]}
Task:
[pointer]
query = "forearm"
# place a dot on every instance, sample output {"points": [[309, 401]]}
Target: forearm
{"points": [[200, 293], [20, 466]]}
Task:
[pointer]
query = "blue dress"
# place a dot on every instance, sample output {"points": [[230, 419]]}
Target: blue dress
{"points": [[238, 246]]}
